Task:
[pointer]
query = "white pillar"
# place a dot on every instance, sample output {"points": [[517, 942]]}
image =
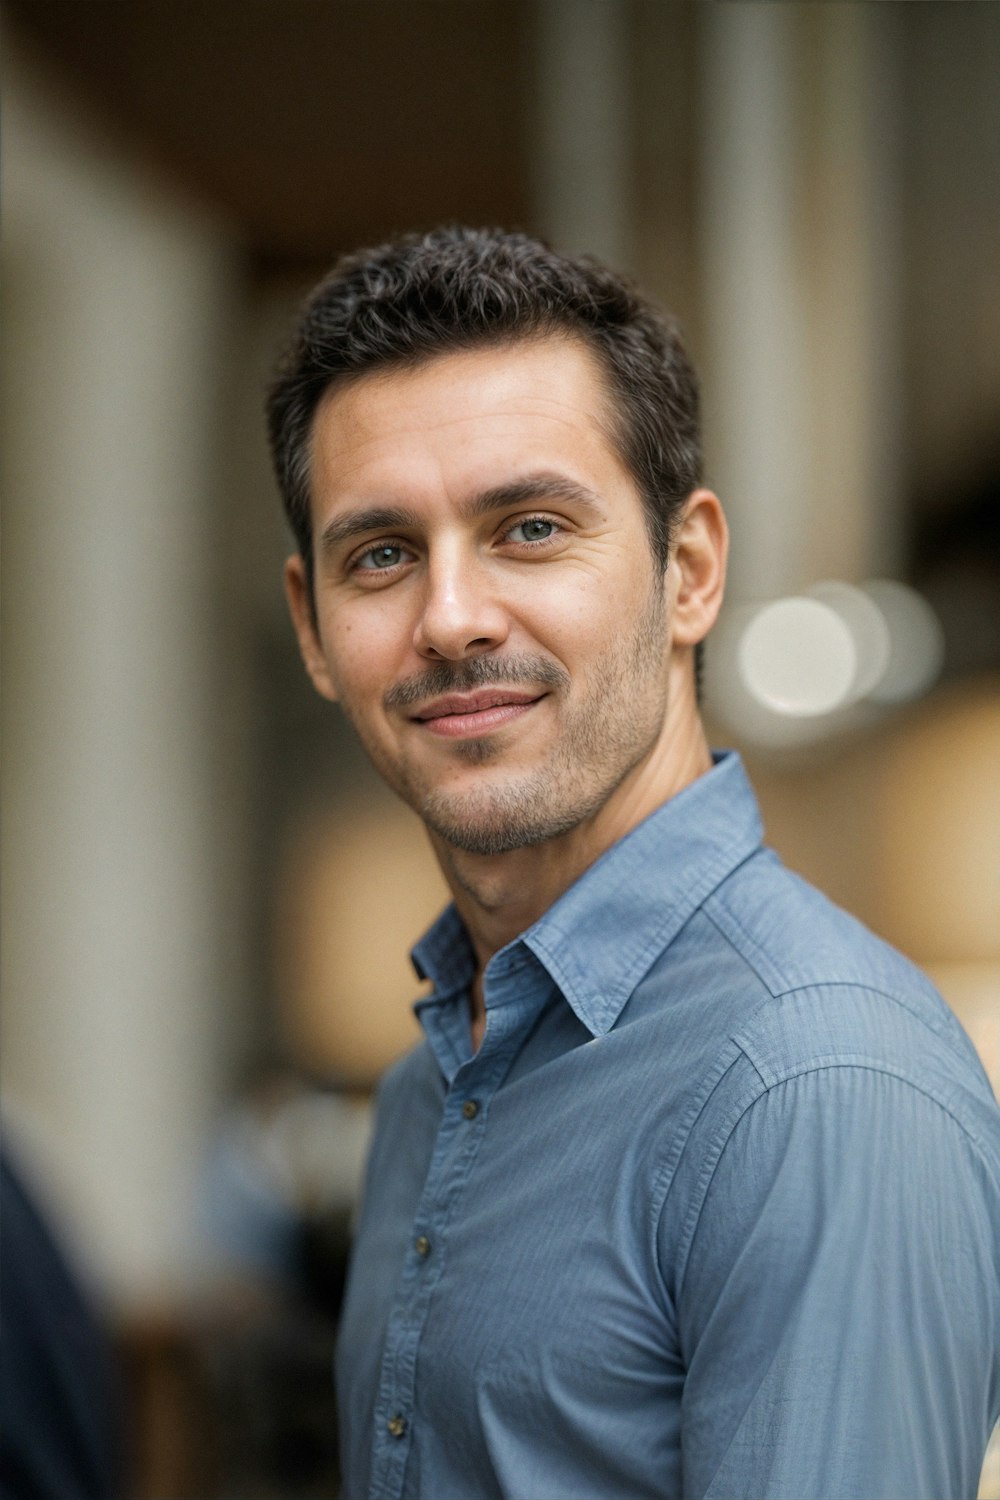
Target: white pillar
{"points": [[798, 254], [755, 387], [580, 142], [111, 972]]}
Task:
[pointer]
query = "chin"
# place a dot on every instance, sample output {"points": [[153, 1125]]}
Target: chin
{"points": [[499, 820], [490, 839]]}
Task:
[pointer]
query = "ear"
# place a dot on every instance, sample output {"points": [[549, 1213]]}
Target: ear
{"points": [[699, 568], [300, 605]]}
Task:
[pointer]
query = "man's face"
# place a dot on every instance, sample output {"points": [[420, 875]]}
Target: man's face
{"points": [[488, 609]]}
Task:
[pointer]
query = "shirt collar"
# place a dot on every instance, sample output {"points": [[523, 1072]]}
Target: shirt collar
{"points": [[444, 954], [603, 934]]}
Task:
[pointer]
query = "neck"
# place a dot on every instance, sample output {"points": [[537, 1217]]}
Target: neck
{"points": [[499, 896]]}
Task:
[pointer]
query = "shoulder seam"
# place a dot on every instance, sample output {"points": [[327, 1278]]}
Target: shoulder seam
{"points": [[707, 1174]]}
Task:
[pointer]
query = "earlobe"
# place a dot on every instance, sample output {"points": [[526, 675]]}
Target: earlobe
{"points": [[300, 607], [700, 568]]}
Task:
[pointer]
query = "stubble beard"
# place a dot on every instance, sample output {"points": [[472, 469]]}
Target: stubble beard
{"points": [[602, 739]]}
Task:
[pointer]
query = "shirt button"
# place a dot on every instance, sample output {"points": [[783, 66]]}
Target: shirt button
{"points": [[396, 1426], [470, 1109], [422, 1245]]}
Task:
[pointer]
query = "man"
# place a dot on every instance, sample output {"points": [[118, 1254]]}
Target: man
{"points": [[694, 1187]]}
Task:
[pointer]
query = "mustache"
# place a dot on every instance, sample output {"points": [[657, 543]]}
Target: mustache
{"points": [[476, 672]]}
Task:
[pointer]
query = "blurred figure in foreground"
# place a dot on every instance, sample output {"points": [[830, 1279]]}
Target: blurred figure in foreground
{"points": [[60, 1436]]}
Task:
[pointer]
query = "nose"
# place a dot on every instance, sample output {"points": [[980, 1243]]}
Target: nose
{"points": [[461, 614]]}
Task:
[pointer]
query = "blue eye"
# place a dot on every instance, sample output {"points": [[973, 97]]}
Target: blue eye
{"points": [[532, 530]]}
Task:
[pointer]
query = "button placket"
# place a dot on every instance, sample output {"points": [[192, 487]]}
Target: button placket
{"points": [[451, 1162]]}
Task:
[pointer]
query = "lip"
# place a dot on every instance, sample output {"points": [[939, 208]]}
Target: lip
{"points": [[461, 715]]}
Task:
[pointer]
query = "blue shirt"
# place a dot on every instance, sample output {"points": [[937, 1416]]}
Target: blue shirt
{"points": [[713, 1211]]}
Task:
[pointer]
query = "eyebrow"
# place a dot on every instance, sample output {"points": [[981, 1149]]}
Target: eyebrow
{"points": [[532, 487]]}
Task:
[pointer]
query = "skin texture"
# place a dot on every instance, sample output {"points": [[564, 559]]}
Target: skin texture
{"points": [[489, 614]]}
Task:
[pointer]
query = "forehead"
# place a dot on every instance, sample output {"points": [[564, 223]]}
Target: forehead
{"points": [[467, 415]]}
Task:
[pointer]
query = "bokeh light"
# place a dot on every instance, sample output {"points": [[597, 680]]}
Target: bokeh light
{"points": [[916, 642], [798, 657], [794, 670]]}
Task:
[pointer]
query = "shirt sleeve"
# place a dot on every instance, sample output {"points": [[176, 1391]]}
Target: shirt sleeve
{"points": [[838, 1312]]}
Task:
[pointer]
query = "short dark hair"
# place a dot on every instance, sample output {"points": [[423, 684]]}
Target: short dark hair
{"points": [[456, 288]]}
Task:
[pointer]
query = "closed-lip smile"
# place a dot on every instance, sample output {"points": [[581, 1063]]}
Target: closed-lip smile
{"points": [[459, 715]]}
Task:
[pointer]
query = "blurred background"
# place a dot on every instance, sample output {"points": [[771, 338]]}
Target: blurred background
{"points": [[207, 897]]}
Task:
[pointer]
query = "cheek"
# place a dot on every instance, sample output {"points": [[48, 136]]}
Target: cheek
{"points": [[578, 613], [362, 651]]}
